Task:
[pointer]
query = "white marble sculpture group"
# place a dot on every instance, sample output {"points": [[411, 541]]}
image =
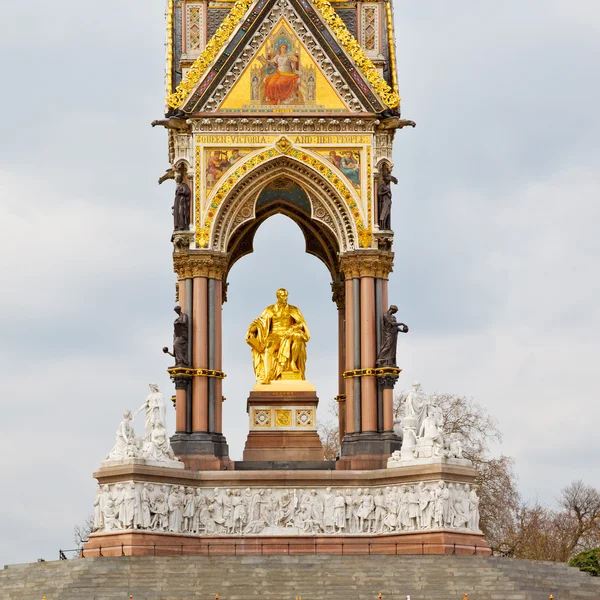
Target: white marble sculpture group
{"points": [[154, 445], [422, 433], [258, 511]]}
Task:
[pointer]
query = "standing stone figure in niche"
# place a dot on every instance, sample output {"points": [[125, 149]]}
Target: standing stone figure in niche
{"points": [[384, 198], [389, 338], [180, 338], [181, 206], [278, 340]]}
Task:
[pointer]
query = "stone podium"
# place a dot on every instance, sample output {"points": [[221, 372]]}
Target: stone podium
{"points": [[282, 422]]}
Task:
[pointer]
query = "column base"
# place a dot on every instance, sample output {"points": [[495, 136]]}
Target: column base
{"points": [[202, 451], [368, 450]]}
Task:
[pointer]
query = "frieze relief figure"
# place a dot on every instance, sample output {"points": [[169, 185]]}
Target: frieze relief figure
{"points": [[200, 511], [278, 340]]}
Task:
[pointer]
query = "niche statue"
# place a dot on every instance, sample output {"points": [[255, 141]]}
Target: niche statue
{"points": [[180, 339], [389, 338], [384, 198], [181, 206]]}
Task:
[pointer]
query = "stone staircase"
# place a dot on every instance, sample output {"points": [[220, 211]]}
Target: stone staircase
{"points": [[323, 577]]}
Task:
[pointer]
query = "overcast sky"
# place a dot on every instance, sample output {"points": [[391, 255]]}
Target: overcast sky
{"points": [[496, 217]]}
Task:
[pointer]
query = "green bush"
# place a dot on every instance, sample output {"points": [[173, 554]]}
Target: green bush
{"points": [[588, 561]]}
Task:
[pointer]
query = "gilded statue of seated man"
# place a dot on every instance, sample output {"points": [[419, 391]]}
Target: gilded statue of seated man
{"points": [[278, 341]]}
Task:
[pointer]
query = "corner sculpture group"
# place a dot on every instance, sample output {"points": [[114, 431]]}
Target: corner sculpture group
{"points": [[155, 444]]}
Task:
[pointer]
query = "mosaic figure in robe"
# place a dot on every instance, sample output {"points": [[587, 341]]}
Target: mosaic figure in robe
{"points": [[349, 166], [282, 82], [278, 340]]}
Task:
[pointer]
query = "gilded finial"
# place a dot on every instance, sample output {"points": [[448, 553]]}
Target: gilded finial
{"points": [[380, 596]]}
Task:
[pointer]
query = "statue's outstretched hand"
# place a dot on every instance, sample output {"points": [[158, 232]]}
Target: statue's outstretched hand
{"points": [[402, 327]]}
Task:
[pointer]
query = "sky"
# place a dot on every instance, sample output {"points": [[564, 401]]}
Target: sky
{"points": [[496, 215]]}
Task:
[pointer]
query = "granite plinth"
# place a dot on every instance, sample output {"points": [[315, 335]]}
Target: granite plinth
{"points": [[139, 543], [282, 423]]}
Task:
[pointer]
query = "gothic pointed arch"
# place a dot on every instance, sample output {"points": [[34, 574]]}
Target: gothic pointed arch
{"points": [[330, 214]]}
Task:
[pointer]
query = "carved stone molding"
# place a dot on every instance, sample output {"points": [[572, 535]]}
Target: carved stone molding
{"points": [[203, 263], [182, 240], [367, 263], [351, 124]]}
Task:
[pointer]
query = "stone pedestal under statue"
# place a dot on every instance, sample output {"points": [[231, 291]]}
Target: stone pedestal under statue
{"points": [[283, 428]]}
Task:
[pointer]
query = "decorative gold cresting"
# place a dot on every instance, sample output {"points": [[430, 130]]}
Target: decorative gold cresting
{"points": [[216, 42], [201, 264], [239, 9], [391, 45], [389, 96], [367, 263]]}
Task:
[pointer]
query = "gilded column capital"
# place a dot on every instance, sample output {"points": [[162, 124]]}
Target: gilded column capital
{"points": [[200, 264], [366, 263]]}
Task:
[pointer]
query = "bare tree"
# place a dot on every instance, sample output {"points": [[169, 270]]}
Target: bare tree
{"points": [[330, 434], [81, 533], [581, 523]]}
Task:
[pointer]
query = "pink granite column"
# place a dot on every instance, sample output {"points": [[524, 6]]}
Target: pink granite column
{"points": [[341, 369], [388, 409], [349, 358], [368, 354], [219, 355], [200, 355]]}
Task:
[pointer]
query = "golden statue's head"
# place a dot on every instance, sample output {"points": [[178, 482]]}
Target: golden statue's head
{"points": [[282, 295]]}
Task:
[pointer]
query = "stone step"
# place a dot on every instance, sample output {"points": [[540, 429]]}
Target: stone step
{"points": [[286, 577]]}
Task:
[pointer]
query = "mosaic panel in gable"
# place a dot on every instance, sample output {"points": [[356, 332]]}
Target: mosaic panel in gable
{"points": [[194, 28], [282, 77], [370, 29]]}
